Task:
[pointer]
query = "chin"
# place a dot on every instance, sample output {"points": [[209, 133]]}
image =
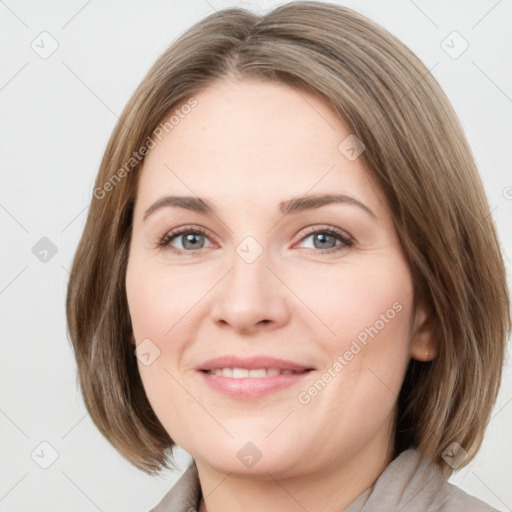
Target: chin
{"points": [[251, 458]]}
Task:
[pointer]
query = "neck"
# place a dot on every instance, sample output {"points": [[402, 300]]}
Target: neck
{"points": [[331, 489]]}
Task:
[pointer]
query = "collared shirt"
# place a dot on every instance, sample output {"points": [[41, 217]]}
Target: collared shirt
{"points": [[409, 483]]}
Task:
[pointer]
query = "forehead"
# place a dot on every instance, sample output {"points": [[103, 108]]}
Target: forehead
{"points": [[257, 141]]}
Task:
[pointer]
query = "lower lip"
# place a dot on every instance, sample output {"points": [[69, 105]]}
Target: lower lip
{"points": [[251, 387]]}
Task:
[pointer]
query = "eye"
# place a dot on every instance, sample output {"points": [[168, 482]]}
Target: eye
{"points": [[190, 239], [325, 239]]}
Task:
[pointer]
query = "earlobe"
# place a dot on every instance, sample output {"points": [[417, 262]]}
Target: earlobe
{"points": [[132, 339], [424, 346]]}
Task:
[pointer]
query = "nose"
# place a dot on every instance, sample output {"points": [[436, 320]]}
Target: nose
{"points": [[251, 297]]}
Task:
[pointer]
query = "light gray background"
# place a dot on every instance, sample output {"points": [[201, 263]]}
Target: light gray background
{"points": [[57, 114]]}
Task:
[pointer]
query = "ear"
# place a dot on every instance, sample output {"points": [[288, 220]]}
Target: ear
{"points": [[132, 339], [424, 346]]}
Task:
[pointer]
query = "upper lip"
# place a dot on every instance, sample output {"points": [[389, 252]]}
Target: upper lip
{"points": [[251, 363]]}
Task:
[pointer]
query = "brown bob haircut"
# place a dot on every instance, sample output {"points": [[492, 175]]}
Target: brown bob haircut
{"points": [[418, 155]]}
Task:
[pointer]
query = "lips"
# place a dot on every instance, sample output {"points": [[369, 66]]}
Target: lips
{"points": [[250, 377], [252, 363]]}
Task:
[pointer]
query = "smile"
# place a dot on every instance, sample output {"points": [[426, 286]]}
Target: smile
{"points": [[245, 384], [258, 373]]}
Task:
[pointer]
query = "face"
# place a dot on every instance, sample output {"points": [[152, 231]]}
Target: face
{"points": [[308, 305]]}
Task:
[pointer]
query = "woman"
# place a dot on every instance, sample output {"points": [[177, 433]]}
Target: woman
{"points": [[290, 270]]}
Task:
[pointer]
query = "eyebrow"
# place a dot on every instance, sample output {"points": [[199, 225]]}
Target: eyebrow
{"points": [[288, 207]]}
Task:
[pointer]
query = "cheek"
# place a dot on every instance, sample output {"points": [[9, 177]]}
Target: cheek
{"points": [[153, 311], [357, 301], [370, 312], [160, 298], [369, 309], [384, 338], [161, 302]]}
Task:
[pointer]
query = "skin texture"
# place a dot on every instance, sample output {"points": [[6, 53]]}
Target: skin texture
{"points": [[247, 146]]}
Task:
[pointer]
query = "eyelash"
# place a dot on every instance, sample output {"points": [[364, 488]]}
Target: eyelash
{"points": [[165, 241]]}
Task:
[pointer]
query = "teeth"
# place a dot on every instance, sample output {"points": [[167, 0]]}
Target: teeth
{"points": [[244, 373]]}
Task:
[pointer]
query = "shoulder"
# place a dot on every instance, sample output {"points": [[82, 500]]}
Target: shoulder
{"points": [[431, 491], [454, 499], [184, 495], [412, 483]]}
